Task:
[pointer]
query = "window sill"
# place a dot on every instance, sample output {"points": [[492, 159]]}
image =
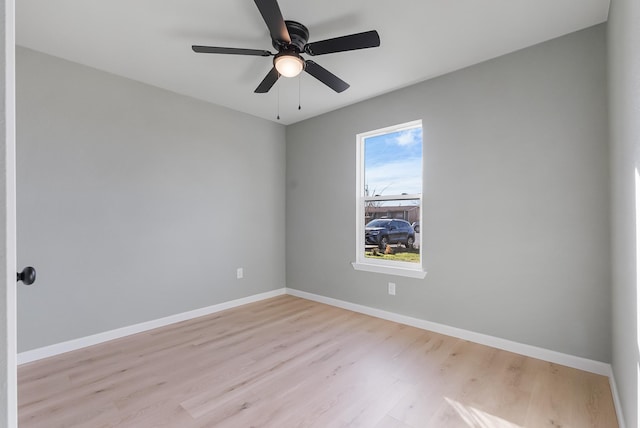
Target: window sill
{"points": [[389, 270]]}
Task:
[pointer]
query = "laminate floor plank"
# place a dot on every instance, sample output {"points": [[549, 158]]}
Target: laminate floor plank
{"points": [[389, 422], [287, 362], [340, 366], [295, 382]]}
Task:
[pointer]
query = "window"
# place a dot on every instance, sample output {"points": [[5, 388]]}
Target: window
{"points": [[389, 200]]}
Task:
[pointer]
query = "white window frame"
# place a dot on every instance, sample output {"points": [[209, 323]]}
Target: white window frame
{"points": [[362, 263]]}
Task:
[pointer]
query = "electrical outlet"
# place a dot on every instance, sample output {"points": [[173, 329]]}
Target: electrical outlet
{"points": [[240, 273], [392, 288]]}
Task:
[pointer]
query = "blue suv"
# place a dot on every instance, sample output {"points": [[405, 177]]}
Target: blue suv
{"points": [[383, 231]]}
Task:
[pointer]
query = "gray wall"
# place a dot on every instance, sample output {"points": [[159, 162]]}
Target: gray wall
{"points": [[135, 203], [516, 199], [624, 89]]}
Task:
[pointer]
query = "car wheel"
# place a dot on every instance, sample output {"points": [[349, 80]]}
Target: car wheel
{"points": [[410, 242], [384, 241]]}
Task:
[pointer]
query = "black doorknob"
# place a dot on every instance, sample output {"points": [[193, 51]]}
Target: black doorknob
{"points": [[27, 276]]}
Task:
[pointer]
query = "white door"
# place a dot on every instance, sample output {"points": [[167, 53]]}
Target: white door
{"points": [[8, 382]]}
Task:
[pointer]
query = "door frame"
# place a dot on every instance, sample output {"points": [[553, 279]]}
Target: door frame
{"points": [[8, 342]]}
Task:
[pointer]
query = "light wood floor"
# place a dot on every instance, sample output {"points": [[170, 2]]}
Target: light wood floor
{"points": [[288, 362]]}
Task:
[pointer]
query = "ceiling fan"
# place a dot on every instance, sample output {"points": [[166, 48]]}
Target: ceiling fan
{"points": [[289, 38]]}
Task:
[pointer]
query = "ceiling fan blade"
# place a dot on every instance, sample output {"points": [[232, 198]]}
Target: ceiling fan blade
{"points": [[269, 80], [232, 51], [272, 16], [326, 77], [368, 39]]}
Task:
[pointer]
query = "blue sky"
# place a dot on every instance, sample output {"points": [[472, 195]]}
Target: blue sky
{"points": [[393, 162]]}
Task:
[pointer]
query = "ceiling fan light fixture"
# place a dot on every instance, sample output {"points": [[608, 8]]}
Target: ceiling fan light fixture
{"points": [[288, 64]]}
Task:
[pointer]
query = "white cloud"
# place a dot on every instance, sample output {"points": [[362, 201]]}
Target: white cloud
{"points": [[395, 178], [408, 138]]}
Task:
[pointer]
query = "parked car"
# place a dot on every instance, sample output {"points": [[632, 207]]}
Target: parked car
{"points": [[383, 231], [416, 226]]}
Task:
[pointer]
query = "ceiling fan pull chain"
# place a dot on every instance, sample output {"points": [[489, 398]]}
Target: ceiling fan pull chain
{"points": [[299, 92], [278, 118]]}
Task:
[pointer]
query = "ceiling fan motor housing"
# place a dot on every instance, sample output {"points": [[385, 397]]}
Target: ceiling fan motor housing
{"points": [[299, 35]]}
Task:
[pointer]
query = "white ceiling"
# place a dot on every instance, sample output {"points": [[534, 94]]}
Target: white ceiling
{"points": [[150, 41]]}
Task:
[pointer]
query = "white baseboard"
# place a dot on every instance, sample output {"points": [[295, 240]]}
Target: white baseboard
{"points": [[580, 363], [72, 345], [483, 339], [616, 399]]}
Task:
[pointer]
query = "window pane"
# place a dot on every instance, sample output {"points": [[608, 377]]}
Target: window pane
{"points": [[393, 163], [389, 177], [390, 230]]}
